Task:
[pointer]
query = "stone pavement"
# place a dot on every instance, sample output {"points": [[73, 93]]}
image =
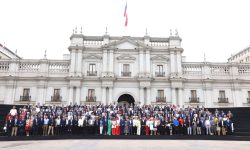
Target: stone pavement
{"points": [[125, 144]]}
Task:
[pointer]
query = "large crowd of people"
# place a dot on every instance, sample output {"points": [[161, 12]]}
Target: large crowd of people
{"points": [[114, 120]]}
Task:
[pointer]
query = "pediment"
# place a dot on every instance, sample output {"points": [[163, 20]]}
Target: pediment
{"points": [[126, 43], [93, 56], [6, 53], [125, 57], [160, 57]]}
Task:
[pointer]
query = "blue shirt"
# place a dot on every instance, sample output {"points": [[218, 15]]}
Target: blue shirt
{"points": [[176, 122]]}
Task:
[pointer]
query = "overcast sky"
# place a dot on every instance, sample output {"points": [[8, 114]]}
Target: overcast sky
{"points": [[217, 28]]}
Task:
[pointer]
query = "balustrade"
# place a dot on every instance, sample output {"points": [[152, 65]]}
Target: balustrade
{"points": [[192, 69], [244, 70], [220, 70], [56, 98], [91, 42], [90, 99], [25, 98], [160, 74], [91, 73], [29, 67], [158, 44], [161, 99], [126, 74], [58, 67], [194, 99], [4, 66], [222, 100]]}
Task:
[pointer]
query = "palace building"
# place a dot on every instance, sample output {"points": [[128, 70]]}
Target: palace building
{"points": [[109, 69]]}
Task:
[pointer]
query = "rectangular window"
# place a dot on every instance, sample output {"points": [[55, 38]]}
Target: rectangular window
{"points": [[26, 92], [126, 68], [56, 92], [222, 94], [159, 68], [193, 94], [92, 67], [91, 93], [160, 93]]}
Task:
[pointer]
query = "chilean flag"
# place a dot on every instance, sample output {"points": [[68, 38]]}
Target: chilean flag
{"points": [[126, 15]]}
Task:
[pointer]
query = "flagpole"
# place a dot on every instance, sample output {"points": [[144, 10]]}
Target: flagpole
{"points": [[125, 15]]}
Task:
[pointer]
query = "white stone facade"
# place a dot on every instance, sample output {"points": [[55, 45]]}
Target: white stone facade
{"points": [[100, 69]]}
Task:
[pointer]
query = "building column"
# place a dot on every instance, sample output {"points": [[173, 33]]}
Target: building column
{"points": [[173, 96], [180, 97], [179, 70], [209, 99], [147, 61], [104, 100], [110, 98], [141, 63], [172, 62], [78, 95], [141, 96], [148, 96], [72, 62], [104, 61], [71, 95], [111, 61], [79, 63]]}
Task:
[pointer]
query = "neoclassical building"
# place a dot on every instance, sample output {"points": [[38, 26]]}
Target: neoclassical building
{"points": [[109, 69]]}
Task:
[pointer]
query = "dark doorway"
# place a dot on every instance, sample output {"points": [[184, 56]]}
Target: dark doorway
{"points": [[126, 98]]}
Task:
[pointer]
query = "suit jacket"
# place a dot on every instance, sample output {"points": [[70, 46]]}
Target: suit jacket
{"points": [[35, 123], [122, 122]]}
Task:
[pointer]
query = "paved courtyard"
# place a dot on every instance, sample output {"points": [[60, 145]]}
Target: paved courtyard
{"points": [[125, 144]]}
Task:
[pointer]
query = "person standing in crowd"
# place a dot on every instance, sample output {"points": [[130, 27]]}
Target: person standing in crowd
{"points": [[13, 111], [109, 126], [45, 125], [51, 125], [122, 125], [189, 126], [21, 126], [147, 126], [15, 126], [9, 125], [176, 126], [101, 125], [63, 125], [28, 126], [35, 124], [113, 122], [126, 126], [80, 124], [130, 126], [194, 126], [105, 125], [58, 125]]}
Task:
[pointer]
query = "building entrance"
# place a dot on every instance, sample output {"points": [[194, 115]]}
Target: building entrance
{"points": [[126, 100]]}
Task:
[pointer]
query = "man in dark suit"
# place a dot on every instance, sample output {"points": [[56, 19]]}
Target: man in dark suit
{"points": [[63, 125], [105, 126], [21, 126], [35, 125], [9, 125], [130, 126], [122, 125]]}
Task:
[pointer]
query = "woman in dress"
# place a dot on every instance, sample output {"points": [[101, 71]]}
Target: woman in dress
{"points": [[28, 126], [109, 126]]}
